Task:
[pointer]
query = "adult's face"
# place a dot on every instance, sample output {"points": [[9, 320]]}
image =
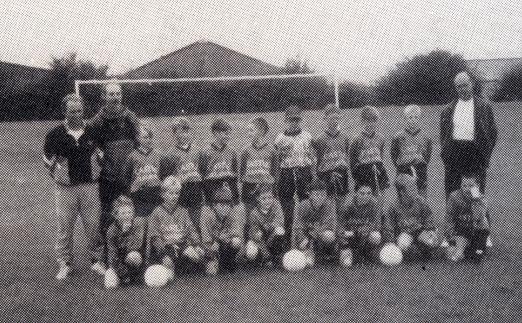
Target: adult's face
{"points": [[74, 112], [463, 86], [112, 97]]}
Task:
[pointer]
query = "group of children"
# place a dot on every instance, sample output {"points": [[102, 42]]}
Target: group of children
{"points": [[210, 210]]}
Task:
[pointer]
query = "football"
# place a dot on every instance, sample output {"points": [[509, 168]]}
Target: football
{"points": [[294, 260]]}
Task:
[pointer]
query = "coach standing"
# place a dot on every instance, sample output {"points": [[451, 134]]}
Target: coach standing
{"points": [[68, 152], [468, 135], [116, 129]]}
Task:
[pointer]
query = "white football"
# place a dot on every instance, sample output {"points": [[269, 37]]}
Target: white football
{"points": [[157, 276], [252, 250], [346, 258], [404, 241], [375, 237], [390, 255], [294, 260], [133, 259]]}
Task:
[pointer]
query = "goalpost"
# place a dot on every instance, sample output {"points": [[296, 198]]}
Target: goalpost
{"points": [[329, 77]]}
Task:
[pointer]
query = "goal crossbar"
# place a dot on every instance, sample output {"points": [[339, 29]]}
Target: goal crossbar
{"points": [[78, 83]]}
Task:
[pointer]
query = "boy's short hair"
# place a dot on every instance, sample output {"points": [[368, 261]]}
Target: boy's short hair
{"points": [[405, 180], [358, 188], [264, 188], [331, 108], [121, 201], [220, 125], [68, 98], [261, 124], [222, 194], [316, 185], [412, 108], [293, 112], [369, 113], [470, 175], [170, 182], [181, 124]]}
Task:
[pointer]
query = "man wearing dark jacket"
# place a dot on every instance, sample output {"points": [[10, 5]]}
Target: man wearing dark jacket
{"points": [[116, 131], [468, 134]]}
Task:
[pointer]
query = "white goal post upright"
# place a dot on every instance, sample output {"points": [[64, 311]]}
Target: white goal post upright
{"points": [[329, 77]]}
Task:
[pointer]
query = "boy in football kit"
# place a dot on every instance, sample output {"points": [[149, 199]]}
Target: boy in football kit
{"points": [[141, 174], [411, 149], [183, 161], [315, 224], [331, 150], [467, 221], [295, 164], [222, 230], [409, 220], [359, 226], [173, 239], [367, 154], [125, 244], [265, 229], [218, 164]]}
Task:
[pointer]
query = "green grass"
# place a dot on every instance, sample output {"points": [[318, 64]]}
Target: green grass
{"points": [[436, 291]]}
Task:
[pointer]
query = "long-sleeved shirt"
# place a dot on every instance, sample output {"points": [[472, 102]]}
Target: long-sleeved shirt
{"points": [[222, 227], [294, 149], [366, 149], [265, 221], [140, 173], [332, 151], [171, 227], [464, 212], [182, 161], [354, 216], [258, 164], [218, 163], [408, 218], [410, 148], [119, 242], [311, 220]]}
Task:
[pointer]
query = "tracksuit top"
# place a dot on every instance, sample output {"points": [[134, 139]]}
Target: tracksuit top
{"points": [[265, 221], [257, 164], [465, 212], [182, 162], [217, 227], [332, 151], [141, 173], [120, 243], [218, 163], [410, 148], [171, 227], [354, 216], [407, 218], [366, 149], [116, 137], [294, 149], [311, 221]]}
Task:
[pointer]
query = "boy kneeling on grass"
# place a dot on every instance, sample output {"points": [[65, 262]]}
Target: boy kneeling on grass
{"points": [[222, 231], [266, 233], [173, 239], [467, 221], [409, 220], [359, 225], [125, 245], [315, 224]]}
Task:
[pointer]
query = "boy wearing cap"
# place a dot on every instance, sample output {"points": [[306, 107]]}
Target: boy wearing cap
{"points": [[182, 160], [173, 238], [467, 224], [332, 149], [411, 149], [218, 164], [140, 173], [367, 154], [359, 226], [315, 223], [409, 220], [294, 164], [222, 230], [265, 229]]}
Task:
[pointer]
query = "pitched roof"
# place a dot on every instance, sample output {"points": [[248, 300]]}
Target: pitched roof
{"points": [[203, 59], [493, 69], [14, 70]]}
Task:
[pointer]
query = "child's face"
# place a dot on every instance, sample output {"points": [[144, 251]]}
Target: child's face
{"points": [[292, 123], [467, 185], [183, 136], [318, 197], [124, 216], [222, 137], [364, 194], [253, 133], [412, 120], [222, 209], [265, 200], [170, 195], [332, 121], [369, 126], [145, 139]]}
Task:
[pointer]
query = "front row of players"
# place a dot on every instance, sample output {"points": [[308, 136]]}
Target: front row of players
{"points": [[227, 234]]}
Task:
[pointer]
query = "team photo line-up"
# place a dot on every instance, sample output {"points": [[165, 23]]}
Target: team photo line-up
{"points": [[149, 216]]}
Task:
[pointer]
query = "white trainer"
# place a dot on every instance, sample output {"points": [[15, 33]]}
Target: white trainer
{"points": [[99, 268], [64, 271]]}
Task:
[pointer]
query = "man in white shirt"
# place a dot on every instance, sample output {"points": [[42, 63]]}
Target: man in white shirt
{"points": [[468, 135]]}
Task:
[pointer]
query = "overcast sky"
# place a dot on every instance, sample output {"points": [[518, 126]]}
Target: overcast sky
{"points": [[359, 41]]}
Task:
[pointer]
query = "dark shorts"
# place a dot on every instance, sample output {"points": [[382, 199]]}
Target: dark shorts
{"points": [[145, 201], [191, 194], [365, 175], [337, 187], [422, 174], [210, 185], [294, 181]]}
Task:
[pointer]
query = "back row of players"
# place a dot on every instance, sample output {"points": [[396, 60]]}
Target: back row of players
{"points": [[213, 208]]}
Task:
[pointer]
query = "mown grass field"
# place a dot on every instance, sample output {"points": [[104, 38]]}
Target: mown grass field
{"points": [[436, 291]]}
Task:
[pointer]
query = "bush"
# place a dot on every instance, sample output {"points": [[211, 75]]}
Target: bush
{"points": [[510, 87]]}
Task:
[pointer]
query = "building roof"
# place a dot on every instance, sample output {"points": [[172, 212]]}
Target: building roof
{"points": [[13, 70], [491, 70], [203, 59]]}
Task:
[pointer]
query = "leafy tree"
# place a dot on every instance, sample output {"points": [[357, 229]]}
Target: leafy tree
{"points": [[510, 87]]}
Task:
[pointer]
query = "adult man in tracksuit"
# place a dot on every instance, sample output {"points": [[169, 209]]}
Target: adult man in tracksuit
{"points": [[116, 131]]}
